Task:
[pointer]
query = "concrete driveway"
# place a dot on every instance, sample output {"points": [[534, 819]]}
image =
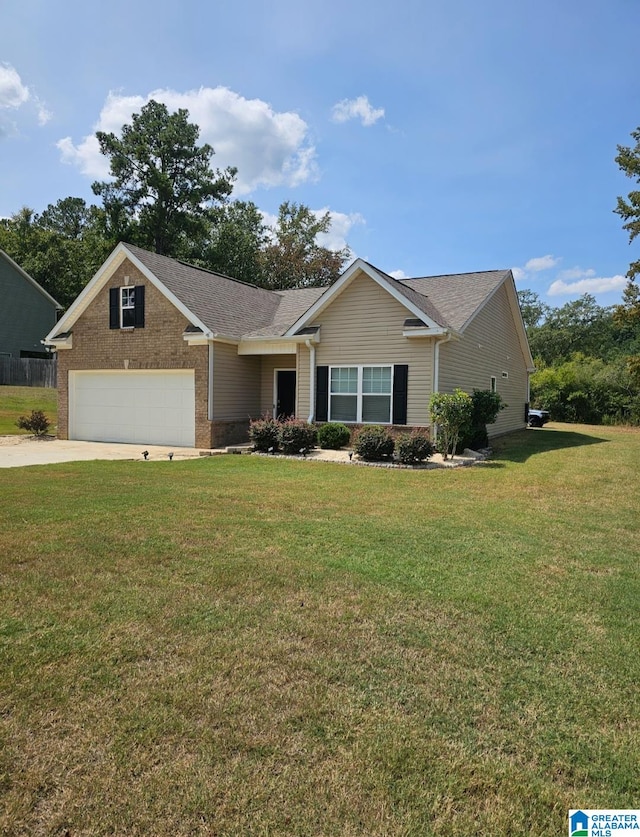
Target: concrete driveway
{"points": [[17, 451]]}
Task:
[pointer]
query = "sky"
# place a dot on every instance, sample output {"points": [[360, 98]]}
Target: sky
{"points": [[443, 137]]}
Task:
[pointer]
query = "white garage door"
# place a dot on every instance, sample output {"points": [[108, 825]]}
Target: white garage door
{"points": [[141, 407]]}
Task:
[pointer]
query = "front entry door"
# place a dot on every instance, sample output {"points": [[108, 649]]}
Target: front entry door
{"points": [[285, 393]]}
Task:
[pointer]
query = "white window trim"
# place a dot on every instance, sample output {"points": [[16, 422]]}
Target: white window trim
{"points": [[493, 384], [124, 308], [359, 394]]}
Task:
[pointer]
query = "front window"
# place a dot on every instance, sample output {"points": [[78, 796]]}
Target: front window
{"points": [[360, 394], [128, 307]]}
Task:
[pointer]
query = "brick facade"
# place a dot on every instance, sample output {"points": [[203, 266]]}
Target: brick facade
{"points": [[159, 345]]}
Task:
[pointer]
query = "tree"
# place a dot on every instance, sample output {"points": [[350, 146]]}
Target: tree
{"points": [[627, 315], [294, 258], [71, 217], [237, 236], [628, 160], [61, 249], [163, 186], [532, 308], [580, 325], [452, 413]]}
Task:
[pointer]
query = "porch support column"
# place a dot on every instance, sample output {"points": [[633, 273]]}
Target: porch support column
{"points": [[312, 382]]}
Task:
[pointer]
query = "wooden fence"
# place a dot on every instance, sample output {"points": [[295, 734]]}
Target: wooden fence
{"points": [[27, 372]]}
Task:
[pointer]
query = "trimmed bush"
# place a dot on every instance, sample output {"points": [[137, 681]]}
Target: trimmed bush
{"points": [[486, 406], [452, 413], [37, 423], [296, 436], [412, 448], [374, 443], [334, 435], [264, 434]]}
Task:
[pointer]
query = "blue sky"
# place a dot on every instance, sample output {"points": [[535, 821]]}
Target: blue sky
{"points": [[443, 137]]}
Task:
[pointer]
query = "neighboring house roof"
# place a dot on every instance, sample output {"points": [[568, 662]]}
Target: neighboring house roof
{"points": [[29, 279]]}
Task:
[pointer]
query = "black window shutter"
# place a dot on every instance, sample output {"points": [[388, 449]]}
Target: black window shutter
{"points": [[114, 307], [400, 382], [322, 393], [138, 315]]}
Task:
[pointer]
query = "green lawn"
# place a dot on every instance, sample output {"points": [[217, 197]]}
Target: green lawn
{"points": [[248, 646], [20, 401]]}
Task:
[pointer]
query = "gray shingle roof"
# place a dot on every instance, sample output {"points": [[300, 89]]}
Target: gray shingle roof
{"points": [[227, 307], [293, 304], [458, 296], [414, 295], [236, 309]]}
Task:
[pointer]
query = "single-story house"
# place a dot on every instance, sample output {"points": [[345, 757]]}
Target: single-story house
{"points": [[154, 351], [27, 314]]}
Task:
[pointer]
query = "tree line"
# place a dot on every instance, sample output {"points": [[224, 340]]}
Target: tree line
{"points": [[165, 196], [586, 357]]}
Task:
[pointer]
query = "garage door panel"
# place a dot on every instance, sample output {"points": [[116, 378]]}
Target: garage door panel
{"points": [[139, 407]]}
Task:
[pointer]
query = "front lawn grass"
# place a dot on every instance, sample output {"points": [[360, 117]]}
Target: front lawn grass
{"points": [[21, 401], [244, 646]]}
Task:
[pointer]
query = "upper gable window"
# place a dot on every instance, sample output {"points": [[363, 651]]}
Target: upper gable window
{"points": [[126, 307]]}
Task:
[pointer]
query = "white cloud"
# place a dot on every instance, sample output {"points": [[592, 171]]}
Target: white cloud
{"points": [[268, 148], [573, 281], [13, 95], [541, 263], [398, 274], [13, 92], [44, 114], [359, 108], [576, 273], [596, 285], [341, 224]]}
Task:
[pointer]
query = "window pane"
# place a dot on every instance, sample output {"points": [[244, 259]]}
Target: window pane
{"points": [[376, 408], [128, 297], [344, 407], [344, 379], [128, 318], [376, 379]]}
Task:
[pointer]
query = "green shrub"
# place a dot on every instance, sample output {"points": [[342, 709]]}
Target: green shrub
{"points": [[486, 406], [452, 413], [412, 448], [296, 436], [37, 423], [374, 443], [334, 435], [264, 434]]}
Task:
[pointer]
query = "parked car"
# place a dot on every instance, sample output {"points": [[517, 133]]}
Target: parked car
{"points": [[538, 417]]}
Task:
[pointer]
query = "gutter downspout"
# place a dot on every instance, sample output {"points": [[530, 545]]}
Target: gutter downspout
{"points": [[312, 389], [436, 372], [210, 393]]}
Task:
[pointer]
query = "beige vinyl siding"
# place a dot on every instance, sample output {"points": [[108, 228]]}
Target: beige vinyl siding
{"points": [[363, 326], [269, 365], [302, 382], [489, 346], [236, 384]]}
